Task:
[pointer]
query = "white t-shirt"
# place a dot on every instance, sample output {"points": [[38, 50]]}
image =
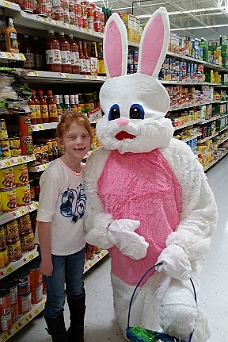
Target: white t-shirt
{"points": [[62, 202]]}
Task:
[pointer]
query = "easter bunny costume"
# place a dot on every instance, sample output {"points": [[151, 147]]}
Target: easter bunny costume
{"points": [[148, 199]]}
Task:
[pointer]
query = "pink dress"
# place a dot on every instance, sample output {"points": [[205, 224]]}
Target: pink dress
{"points": [[140, 186]]}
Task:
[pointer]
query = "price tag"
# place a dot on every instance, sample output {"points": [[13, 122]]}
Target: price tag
{"points": [[21, 57], [36, 312], [8, 55], [35, 73], [22, 211], [56, 22], [67, 75], [19, 160], [45, 20], [36, 205], [41, 127], [90, 264], [5, 337], [7, 163], [6, 4], [44, 167], [26, 320], [9, 269], [31, 256], [16, 328]]}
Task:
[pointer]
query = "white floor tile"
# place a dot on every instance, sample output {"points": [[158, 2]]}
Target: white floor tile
{"points": [[100, 323]]}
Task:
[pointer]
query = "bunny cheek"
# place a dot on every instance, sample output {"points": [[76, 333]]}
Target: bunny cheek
{"points": [[124, 135]]}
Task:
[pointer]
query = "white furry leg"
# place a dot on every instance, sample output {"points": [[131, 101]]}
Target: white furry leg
{"points": [[179, 313]]}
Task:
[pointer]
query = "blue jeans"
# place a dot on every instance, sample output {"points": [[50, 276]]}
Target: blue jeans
{"points": [[66, 269]]}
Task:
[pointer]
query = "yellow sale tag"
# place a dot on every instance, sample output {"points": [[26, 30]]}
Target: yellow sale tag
{"points": [[35, 73], [9, 269], [6, 4], [26, 319], [44, 166], [31, 256], [67, 76], [102, 254], [7, 163], [41, 127], [5, 337], [19, 160], [22, 211], [21, 56], [16, 328], [8, 55], [36, 312], [90, 264], [36, 205]]}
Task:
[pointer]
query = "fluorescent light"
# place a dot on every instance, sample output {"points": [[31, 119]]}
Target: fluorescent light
{"points": [[188, 11], [197, 27]]}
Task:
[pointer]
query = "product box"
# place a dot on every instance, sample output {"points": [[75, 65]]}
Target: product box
{"points": [[130, 23]]}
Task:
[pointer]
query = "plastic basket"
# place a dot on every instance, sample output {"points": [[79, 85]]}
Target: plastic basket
{"points": [[157, 336]]}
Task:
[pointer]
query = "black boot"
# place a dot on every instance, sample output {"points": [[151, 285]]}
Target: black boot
{"points": [[56, 328], [77, 313]]}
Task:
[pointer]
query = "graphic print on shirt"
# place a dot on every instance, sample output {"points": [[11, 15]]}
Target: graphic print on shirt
{"points": [[73, 203]]}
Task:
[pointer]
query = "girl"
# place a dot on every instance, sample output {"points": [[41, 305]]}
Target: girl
{"points": [[60, 229]]}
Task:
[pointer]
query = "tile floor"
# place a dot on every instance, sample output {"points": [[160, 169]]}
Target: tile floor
{"points": [[101, 325]]}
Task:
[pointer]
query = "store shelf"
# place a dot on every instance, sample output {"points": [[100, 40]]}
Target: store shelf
{"points": [[18, 212], [215, 161], [187, 124], [13, 266], [97, 257], [13, 57], [58, 77], [39, 168], [23, 320], [10, 5], [44, 126], [37, 22], [15, 161]]}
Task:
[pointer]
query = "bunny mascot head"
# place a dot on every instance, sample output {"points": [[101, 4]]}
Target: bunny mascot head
{"points": [[148, 199]]}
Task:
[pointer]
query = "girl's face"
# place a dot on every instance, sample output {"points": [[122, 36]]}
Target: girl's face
{"points": [[76, 141]]}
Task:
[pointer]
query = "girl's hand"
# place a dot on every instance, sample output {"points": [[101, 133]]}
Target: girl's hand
{"points": [[46, 268]]}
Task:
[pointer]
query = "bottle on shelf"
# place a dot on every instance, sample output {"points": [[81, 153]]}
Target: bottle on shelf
{"points": [[87, 59], [72, 103], [32, 107], [59, 107], [94, 59], [53, 53], [82, 60], [67, 107], [27, 48], [38, 111], [2, 36], [65, 53], [11, 36], [52, 107], [101, 65], [39, 54], [43, 106], [74, 52]]}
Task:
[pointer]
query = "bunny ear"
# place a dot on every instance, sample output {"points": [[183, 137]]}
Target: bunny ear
{"points": [[154, 43], [115, 47]]}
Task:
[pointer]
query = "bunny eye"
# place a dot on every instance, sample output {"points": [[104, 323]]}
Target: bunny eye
{"points": [[136, 112], [114, 112]]}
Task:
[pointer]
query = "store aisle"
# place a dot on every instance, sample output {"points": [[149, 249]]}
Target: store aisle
{"points": [[101, 325]]}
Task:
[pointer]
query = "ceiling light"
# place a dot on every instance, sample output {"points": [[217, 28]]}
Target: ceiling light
{"points": [[197, 27]]}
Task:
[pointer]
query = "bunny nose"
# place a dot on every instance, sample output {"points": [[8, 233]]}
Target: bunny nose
{"points": [[122, 122]]}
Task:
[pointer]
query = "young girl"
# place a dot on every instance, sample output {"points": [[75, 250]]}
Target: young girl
{"points": [[60, 229]]}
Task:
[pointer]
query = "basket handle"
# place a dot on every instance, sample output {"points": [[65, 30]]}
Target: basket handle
{"points": [[136, 287]]}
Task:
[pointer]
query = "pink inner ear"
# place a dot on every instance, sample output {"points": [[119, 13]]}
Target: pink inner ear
{"points": [[152, 46], [113, 50]]}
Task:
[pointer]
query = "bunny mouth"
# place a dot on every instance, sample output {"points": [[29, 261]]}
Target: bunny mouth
{"points": [[124, 135]]}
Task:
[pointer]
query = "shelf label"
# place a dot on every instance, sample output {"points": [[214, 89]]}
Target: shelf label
{"points": [[5, 337], [16, 328], [19, 160], [41, 127], [36, 312], [6, 4], [31, 256], [22, 211], [26, 320], [9, 269], [7, 163]]}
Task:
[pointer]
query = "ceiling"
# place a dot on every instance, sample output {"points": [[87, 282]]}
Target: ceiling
{"points": [[188, 15]]}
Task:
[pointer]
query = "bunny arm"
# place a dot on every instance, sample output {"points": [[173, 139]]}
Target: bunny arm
{"points": [[199, 211]]}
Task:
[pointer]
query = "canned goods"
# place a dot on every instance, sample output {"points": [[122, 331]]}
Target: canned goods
{"points": [[36, 294], [1, 209], [35, 275], [15, 152], [3, 134], [9, 200], [12, 287], [20, 275], [24, 126], [12, 230], [26, 144], [6, 322], [14, 142], [25, 223], [24, 302], [14, 312], [27, 241], [4, 259], [2, 124], [23, 195], [4, 301], [14, 249], [7, 179], [21, 175]]}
